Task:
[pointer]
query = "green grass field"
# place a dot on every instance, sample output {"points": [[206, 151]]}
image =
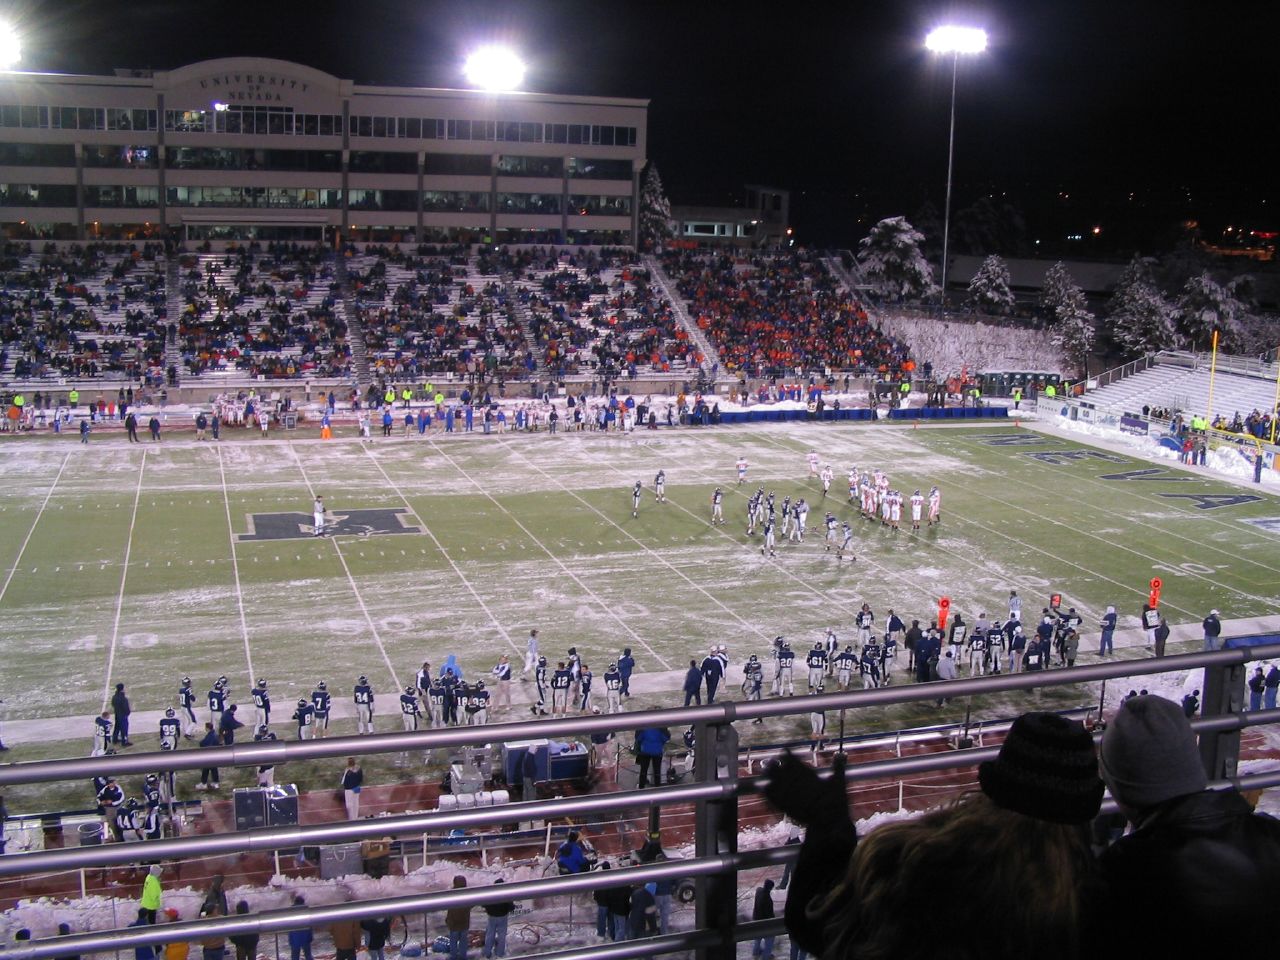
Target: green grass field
{"points": [[126, 564]]}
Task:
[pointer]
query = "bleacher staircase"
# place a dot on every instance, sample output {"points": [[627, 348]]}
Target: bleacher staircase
{"points": [[711, 356], [173, 317], [521, 313], [355, 331]]}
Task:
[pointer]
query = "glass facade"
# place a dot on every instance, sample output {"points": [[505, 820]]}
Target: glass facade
{"points": [[239, 158], [587, 206], [463, 171], [538, 203], [584, 168], [303, 198], [37, 195], [454, 201], [114, 196]]}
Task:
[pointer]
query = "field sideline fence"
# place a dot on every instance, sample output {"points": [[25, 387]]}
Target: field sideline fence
{"points": [[714, 794]]}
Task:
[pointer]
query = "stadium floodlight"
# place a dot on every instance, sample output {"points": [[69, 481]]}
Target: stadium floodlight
{"points": [[494, 68], [10, 46], [954, 40]]}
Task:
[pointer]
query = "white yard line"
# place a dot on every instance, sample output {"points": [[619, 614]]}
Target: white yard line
{"points": [[466, 582], [748, 625], [124, 575], [556, 560], [27, 540], [373, 628], [235, 568], [863, 561], [999, 602]]}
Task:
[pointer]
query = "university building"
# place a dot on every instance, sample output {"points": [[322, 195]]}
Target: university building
{"points": [[250, 148]]}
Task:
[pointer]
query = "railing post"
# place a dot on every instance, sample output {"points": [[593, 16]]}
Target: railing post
{"points": [[716, 833], [1223, 696]]}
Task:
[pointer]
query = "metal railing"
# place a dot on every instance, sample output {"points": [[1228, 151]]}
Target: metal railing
{"points": [[714, 793]]}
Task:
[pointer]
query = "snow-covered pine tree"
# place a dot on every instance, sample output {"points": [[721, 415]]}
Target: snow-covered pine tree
{"points": [[890, 257], [1071, 322], [656, 225], [1205, 306], [1142, 319], [989, 288]]}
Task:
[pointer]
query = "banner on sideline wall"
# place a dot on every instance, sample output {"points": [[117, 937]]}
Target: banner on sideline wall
{"points": [[1134, 425]]}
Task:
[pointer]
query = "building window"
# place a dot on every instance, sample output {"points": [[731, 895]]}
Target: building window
{"points": [[37, 195], [587, 168], [512, 166], [454, 201], [535, 203], [37, 155], [586, 205]]}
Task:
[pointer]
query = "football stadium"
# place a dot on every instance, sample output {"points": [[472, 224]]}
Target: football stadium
{"points": [[406, 520]]}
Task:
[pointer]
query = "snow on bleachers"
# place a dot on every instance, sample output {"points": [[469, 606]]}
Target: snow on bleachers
{"points": [[951, 346]]}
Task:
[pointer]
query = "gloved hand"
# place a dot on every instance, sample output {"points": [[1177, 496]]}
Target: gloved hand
{"points": [[796, 790]]}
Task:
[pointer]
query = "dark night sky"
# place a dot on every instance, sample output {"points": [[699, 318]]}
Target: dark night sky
{"points": [[837, 101]]}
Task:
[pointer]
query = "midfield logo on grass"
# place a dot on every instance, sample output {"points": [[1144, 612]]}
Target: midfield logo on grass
{"points": [[353, 523]]}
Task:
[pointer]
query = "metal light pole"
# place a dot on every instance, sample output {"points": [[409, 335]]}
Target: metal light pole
{"points": [[955, 41]]}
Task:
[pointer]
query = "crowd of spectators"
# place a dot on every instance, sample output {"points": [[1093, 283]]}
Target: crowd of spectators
{"points": [[269, 312], [431, 314], [598, 313], [1257, 424], [782, 314], [84, 311]]}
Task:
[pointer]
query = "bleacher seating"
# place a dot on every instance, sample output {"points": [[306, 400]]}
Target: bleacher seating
{"points": [[780, 314], [593, 313], [1183, 388], [89, 311], [273, 313], [434, 312]]}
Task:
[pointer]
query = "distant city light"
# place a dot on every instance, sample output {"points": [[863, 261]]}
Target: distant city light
{"points": [[1096, 231], [10, 46], [950, 38], [494, 68], [220, 107]]}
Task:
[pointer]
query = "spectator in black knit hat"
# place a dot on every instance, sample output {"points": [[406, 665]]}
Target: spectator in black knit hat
{"points": [[1204, 858], [908, 889]]}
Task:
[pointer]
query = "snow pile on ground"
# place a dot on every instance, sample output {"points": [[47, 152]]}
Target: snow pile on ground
{"points": [[1228, 460]]}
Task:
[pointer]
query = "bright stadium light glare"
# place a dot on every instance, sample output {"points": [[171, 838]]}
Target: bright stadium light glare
{"points": [[494, 68], [950, 38], [10, 46]]}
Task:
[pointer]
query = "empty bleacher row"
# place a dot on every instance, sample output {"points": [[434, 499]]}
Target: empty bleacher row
{"points": [[1175, 387], [93, 311], [782, 314]]}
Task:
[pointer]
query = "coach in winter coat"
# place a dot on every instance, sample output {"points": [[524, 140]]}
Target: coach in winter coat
{"points": [[1203, 857]]}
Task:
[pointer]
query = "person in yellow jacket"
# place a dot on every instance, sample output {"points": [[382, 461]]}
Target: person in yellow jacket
{"points": [[406, 395], [73, 398], [175, 949], [151, 893]]}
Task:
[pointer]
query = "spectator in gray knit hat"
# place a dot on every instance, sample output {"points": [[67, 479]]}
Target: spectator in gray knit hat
{"points": [[1199, 869]]}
